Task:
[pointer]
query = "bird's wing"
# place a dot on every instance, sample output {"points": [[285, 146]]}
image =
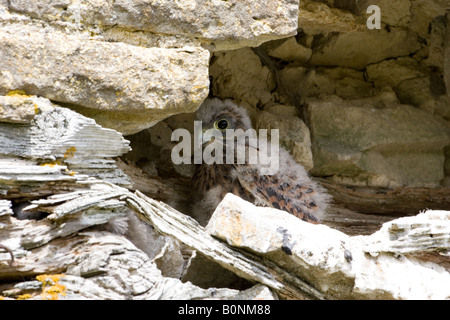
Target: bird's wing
{"points": [[297, 199]]}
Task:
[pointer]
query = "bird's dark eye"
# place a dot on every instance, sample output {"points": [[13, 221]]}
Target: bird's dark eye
{"points": [[221, 124]]}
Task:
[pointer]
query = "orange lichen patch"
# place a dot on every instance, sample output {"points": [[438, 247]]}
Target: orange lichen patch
{"points": [[24, 296], [70, 172], [119, 95], [14, 93], [51, 165], [53, 292], [70, 152], [51, 289], [49, 278]]}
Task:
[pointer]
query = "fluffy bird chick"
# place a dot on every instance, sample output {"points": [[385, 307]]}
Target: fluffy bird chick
{"points": [[289, 189]]}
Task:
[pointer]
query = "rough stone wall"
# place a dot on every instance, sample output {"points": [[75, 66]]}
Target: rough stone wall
{"points": [[362, 109], [132, 64], [376, 102], [367, 109], [128, 64]]}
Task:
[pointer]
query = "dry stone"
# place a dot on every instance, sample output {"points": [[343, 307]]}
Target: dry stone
{"points": [[417, 92], [129, 64], [304, 83], [241, 75], [447, 56], [377, 142], [288, 50], [426, 232], [124, 87], [392, 72], [316, 17], [104, 266], [5, 208], [54, 148], [436, 40], [358, 49], [225, 24], [423, 12], [294, 134], [17, 109], [53, 131], [340, 266], [394, 13]]}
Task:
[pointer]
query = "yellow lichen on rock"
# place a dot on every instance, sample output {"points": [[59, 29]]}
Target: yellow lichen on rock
{"points": [[51, 289], [15, 93], [70, 152]]}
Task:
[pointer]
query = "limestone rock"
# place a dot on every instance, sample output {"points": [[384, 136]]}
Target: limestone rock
{"points": [[283, 239], [55, 145], [241, 75], [129, 64], [436, 40], [288, 50], [17, 109], [101, 79], [427, 232], [423, 12], [425, 93], [96, 263], [358, 49], [394, 13], [100, 265], [304, 83], [5, 208], [347, 83], [383, 147], [442, 107], [447, 57], [225, 24], [294, 135], [316, 17], [413, 14], [291, 257], [376, 142], [257, 292], [54, 130], [336, 264], [410, 241], [392, 72], [168, 221]]}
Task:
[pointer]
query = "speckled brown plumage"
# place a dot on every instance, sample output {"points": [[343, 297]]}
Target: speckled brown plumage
{"points": [[290, 189], [206, 177], [296, 199]]}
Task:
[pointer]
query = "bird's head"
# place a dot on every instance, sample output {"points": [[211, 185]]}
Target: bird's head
{"points": [[219, 115]]}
